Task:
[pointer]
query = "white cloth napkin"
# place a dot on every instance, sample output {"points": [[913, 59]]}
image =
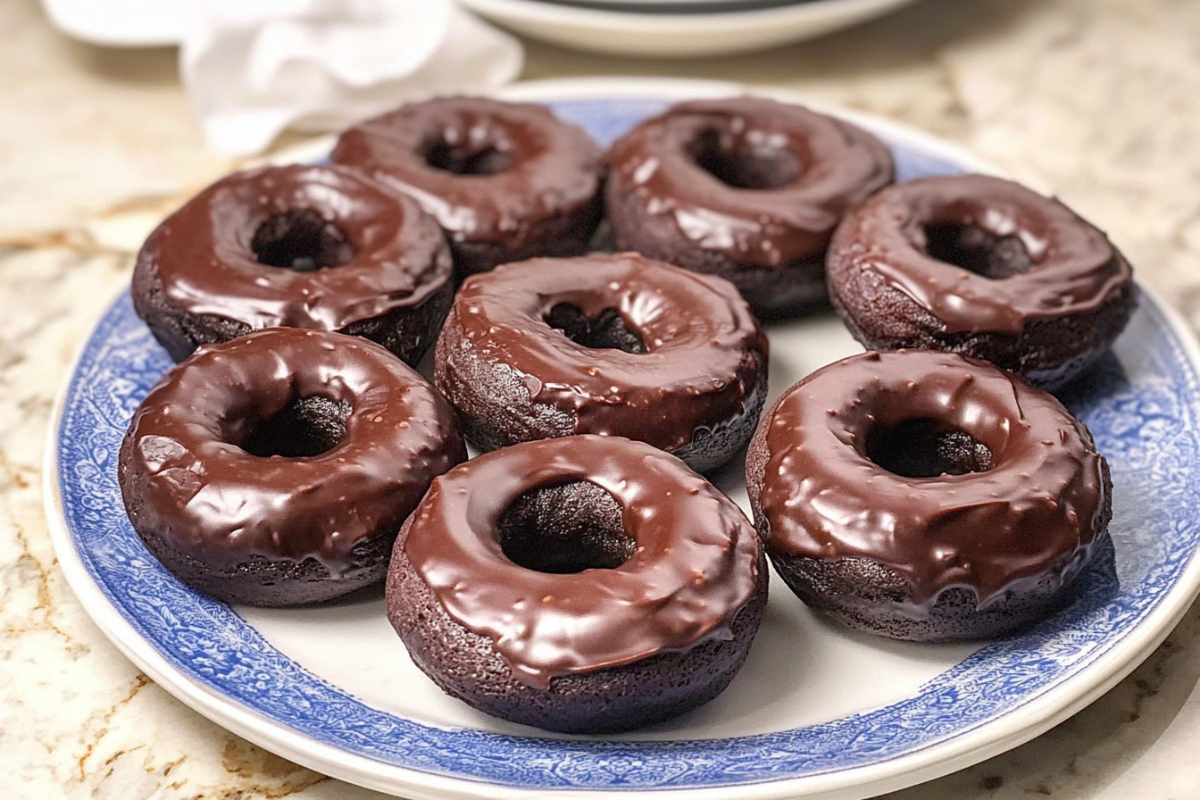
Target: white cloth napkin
{"points": [[255, 67]]}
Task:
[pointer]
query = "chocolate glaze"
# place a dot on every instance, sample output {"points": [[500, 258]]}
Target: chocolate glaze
{"points": [[219, 503], [1075, 269], [835, 163], [698, 335], [1036, 510], [543, 166], [205, 256], [694, 567]]}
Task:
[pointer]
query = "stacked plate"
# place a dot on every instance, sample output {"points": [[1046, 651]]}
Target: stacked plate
{"points": [[652, 28], [677, 28]]}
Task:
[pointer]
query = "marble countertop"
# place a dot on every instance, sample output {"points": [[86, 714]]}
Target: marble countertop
{"points": [[1099, 99]]}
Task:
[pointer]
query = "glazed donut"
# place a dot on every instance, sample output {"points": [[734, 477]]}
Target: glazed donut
{"points": [[745, 188], [507, 181], [298, 246], [586, 584], [276, 469], [928, 497], [982, 267], [607, 344]]}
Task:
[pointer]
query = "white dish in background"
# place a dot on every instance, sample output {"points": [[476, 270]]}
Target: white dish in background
{"points": [[603, 26], [676, 6], [120, 23], [817, 711], [667, 35]]}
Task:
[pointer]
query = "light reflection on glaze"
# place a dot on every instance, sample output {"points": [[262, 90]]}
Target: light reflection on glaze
{"points": [[209, 498], [1076, 269], [555, 166], [203, 257], [1038, 508], [840, 165], [696, 563], [701, 341]]}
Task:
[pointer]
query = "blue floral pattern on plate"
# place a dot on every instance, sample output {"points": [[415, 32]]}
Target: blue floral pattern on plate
{"points": [[1139, 404]]}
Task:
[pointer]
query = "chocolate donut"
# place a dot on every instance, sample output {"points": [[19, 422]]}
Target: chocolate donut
{"points": [[608, 344], [745, 188], [926, 496], [298, 246], [507, 181], [982, 267], [587, 584], [276, 469]]}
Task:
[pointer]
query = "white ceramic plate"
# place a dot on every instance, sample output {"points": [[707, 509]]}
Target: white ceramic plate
{"points": [[816, 712], [677, 35], [120, 23], [627, 27], [676, 6]]}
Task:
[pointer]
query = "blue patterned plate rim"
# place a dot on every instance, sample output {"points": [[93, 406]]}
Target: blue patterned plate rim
{"points": [[1020, 687]]}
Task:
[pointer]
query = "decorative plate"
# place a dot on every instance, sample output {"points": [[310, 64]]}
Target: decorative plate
{"points": [[817, 711]]}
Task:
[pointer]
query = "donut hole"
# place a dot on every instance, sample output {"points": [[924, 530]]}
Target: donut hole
{"points": [[751, 160], [307, 426], [300, 239], [565, 529], [475, 156], [976, 250], [927, 448], [607, 330]]}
